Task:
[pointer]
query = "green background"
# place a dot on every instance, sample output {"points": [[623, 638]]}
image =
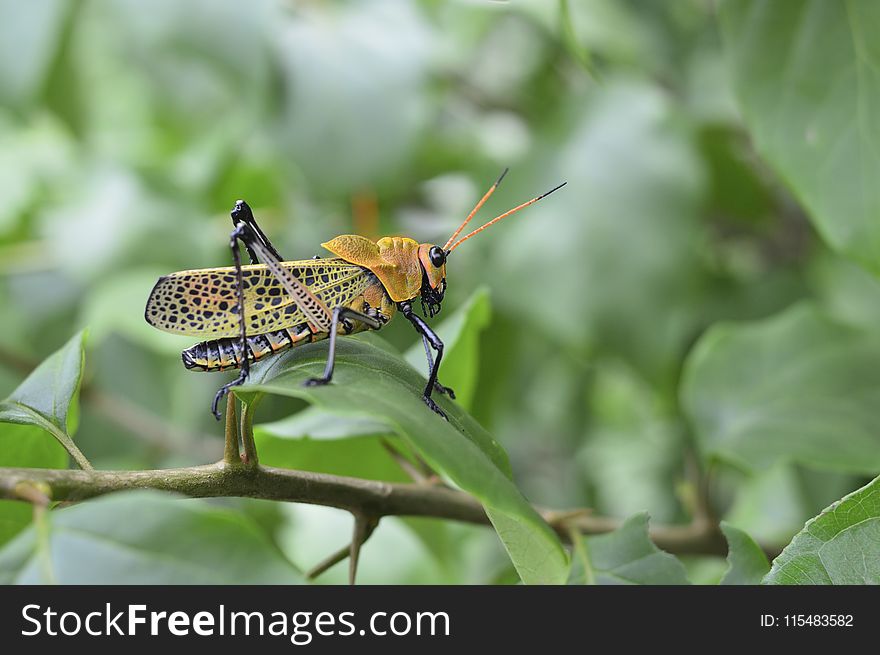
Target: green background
{"points": [[699, 297]]}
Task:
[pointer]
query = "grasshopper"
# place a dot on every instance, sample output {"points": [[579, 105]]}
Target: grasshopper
{"points": [[254, 311]]}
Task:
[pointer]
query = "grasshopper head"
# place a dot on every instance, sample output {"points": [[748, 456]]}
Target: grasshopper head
{"points": [[433, 261]]}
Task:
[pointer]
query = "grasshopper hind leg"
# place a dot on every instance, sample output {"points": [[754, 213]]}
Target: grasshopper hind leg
{"points": [[244, 231], [221, 393], [242, 213]]}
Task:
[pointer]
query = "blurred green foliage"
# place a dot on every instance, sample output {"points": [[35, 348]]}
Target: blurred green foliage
{"points": [[128, 129]]}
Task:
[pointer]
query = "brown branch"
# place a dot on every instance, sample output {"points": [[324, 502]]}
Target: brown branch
{"points": [[357, 496]]}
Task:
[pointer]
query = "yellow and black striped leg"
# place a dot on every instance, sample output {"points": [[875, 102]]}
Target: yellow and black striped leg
{"points": [[339, 314], [439, 388], [425, 330], [241, 232]]}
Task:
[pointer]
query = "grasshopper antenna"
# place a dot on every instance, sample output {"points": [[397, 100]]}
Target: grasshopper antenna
{"points": [[455, 245], [476, 209]]}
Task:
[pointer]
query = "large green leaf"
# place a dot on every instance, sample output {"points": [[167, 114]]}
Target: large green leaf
{"points": [[44, 402], [461, 354], [747, 563], [837, 547], [321, 425], [371, 382], [14, 517], [46, 397], [25, 446], [145, 538], [628, 556], [807, 74], [358, 457], [797, 387]]}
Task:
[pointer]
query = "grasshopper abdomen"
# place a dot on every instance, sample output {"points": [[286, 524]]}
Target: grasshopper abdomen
{"points": [[225, 354]]}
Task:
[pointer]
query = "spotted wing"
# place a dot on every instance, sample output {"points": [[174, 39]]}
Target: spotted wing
{"points": [[317, 313], [204, 303]]}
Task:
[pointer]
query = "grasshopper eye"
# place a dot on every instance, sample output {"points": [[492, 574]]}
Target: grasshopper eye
{"points": [[438, 257]]}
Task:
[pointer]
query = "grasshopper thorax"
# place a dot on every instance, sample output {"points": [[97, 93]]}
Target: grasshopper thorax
{"points": [[406, 268]]}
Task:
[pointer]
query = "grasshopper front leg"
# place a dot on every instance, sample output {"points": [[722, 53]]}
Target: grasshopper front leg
{"points": [[427, 333], [439, 388]]}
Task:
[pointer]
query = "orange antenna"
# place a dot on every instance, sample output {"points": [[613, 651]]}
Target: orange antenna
{"points": [[498, 218], [476, 209]]}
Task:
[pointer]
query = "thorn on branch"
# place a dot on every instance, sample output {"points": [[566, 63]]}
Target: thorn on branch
{"points": [[363, 528]]}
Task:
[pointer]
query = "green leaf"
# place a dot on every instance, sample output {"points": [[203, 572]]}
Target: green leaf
{"points": [[805, 74], [46, 397], [49, 389], [172, 541], [45, 402], [25, 446], [746, 562], [837, 547], [321, 425], [14, 517], [358, 457], [461, 354], [628, 556], [796, 387], [371, 382]]}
